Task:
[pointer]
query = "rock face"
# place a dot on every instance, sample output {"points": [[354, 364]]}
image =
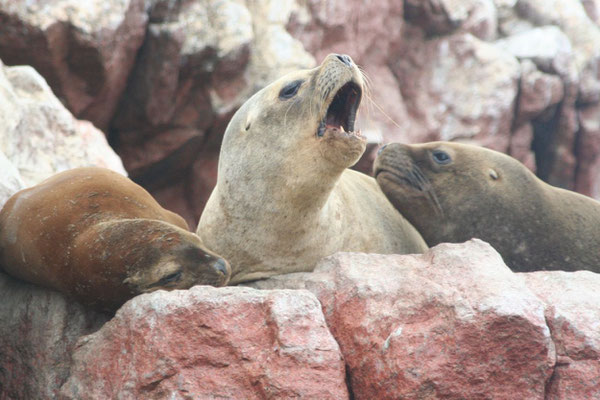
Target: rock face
{"points": [[38, 332], [40, 137], [573, 315], [162, 77], [452, 323], [231, 343]]}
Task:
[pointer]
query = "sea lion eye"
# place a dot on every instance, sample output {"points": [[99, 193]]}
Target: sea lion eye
{"points": [[290, 90], [171, 278], [441, 157]]}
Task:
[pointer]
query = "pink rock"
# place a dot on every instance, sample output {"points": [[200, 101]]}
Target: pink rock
{"points": [[38, 332], [587, 180], [452, 323], [235, 343], [573, 312], [539, 91], [459, 88], [520, 145], [84, 50]]}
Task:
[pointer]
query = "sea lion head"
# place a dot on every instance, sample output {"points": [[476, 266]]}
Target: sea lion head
{"points": [[168, 257], [302, 124], [440, 186]]}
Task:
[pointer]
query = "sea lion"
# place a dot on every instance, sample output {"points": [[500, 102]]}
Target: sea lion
{"points": [[284, 197], [454, 192], [93, 234]]}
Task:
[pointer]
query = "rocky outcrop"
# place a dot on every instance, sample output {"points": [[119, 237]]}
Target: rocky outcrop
{"points": [[40, 137], [162, 78], [38, 332], [230, 343], [452, 323]]}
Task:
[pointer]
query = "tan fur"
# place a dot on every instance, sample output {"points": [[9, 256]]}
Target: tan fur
{"points": [[284, 197], [97, 236], [488, 195]]}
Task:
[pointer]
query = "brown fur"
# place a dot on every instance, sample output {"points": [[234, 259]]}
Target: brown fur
{"points": [[488, 195], [97, 236]]}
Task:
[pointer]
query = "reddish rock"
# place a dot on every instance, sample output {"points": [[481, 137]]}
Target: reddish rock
{"points": [[520, 145], [40, 137], [459, 88], [233, 343], [452, 323], [587, 180], [538, 92], [573, 315], [38, 332], [85, 50]]}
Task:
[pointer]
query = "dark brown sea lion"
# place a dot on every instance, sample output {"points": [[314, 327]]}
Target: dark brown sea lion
{"points": [[454, 192], [93, 234], [285, 197]]}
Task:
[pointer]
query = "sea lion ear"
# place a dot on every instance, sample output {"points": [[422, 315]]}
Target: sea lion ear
{"points": [[493, 174]]}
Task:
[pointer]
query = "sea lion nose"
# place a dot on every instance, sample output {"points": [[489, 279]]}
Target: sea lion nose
{"points": [[345, 59], [381, 149], [221, 266]]}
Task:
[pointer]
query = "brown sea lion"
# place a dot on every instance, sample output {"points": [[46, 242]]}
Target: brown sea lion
{"points": [[284, 197], [454, 192], [93, 234]]}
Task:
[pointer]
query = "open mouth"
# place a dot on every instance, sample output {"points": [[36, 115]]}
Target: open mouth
{"points": [[341, 113]]}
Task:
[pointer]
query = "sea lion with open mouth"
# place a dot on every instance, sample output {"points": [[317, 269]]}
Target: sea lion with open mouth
{"points": [[285, 197]]}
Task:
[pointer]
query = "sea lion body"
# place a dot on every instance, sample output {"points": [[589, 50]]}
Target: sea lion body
{"points": [[93, 234], [284, 197], [477, 192]]}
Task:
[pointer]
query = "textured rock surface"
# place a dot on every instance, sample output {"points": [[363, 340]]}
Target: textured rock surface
{"points": [[452, 323], [234, 343], [573, 315], [40, 136], [38, 332], [85, 50], [163, 77]]}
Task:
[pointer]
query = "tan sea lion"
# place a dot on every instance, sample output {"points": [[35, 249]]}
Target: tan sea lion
{"points": [[453, 192], [284, 197], [93, 234]]}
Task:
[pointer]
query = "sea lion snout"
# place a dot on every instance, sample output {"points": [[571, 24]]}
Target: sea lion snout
{"points": [[345, 59], [222, 267]]}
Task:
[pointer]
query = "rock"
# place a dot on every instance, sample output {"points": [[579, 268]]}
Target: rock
{"points": [[538, 92], [38, 332], [40, 136], [456, 323], [573, 315], [10, 179], [459, 88], [442, 17], [592, 9], [588, 151], [84, 50], [234, 343], [520, 145], [584, 35], [547, 47]]}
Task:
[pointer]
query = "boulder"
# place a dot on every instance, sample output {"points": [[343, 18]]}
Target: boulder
{"points": [[38, 332], [40, 136], [85, 50], [453, 323], [573, 315], [459, 88], [231, 343], [588, 151]]}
